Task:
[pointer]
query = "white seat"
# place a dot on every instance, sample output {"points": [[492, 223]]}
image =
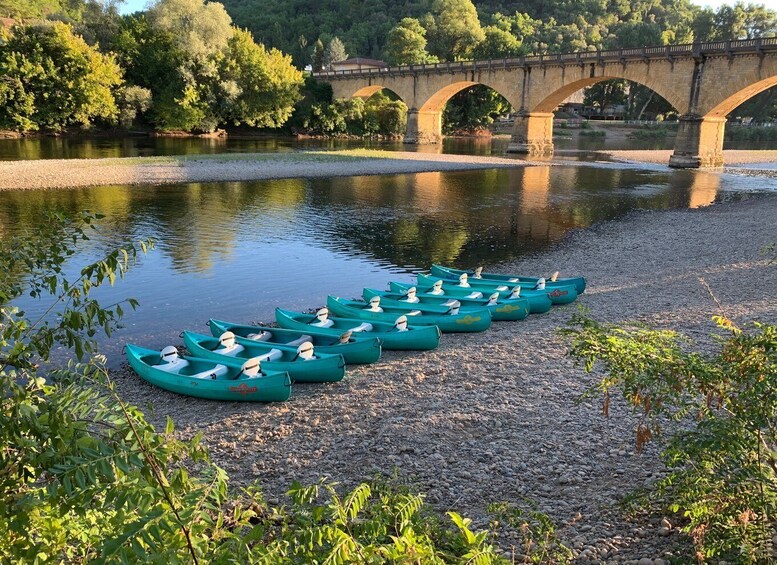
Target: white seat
{"points": [[272, 355], [363, 327], [231, 351], [437, 288], [174, 366], [414, 313], [502, 288], [325, 324], [474, 295], [261, 336], [178, 365], [300, 340]]}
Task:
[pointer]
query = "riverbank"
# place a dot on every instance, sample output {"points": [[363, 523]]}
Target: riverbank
{"points": [[495, 416], [225, 167], [731, 157]]}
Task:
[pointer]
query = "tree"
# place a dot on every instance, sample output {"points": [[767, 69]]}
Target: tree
{"points": [[406, 44], [317, 61], [498, 43], [53, 79], [453, 29], [266, 84], [474, 107], [133, 100], [334, 53], [198, 29]]}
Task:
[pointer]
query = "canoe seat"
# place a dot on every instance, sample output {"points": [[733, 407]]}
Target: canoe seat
{"points": [[300, 340], [502, 288], [325, 324], [437, 288], [414, 313], [474, 295], [363, 327], [272, 355], [229, 345], [513, 280], [261, 336], [230, 351], [411, 300], [178, 365], [373, 308], [322, 319]]}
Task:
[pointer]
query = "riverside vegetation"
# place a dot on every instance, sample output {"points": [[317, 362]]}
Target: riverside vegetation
{"points": [[86, 477], [182, 65]]}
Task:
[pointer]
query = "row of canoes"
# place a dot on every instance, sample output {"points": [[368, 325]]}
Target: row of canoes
{"points": [[259, 363]]}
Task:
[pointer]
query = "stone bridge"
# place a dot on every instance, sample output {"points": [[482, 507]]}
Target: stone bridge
{"points": [[703, 81]]}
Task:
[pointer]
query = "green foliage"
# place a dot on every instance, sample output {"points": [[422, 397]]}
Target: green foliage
{"points": [[334, 52], [538, 542], [722, 471], [53, 79], [317, 62], [261, 86], [474, 107], [133, 100], [599, 133], [751, 133], [406, 44], [453, 29], [198, 30], [498, 43]]}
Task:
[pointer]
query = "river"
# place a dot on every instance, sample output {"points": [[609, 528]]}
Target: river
{"points": [[237, 250]]}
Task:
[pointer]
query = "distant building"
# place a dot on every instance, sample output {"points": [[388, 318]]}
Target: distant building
{"points": [[358, 64]]}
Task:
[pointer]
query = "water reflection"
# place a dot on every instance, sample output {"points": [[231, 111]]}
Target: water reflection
{"points": [[237, 250]]}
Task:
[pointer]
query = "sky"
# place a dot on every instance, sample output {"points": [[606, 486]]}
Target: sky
{"points": [[130, 6]]}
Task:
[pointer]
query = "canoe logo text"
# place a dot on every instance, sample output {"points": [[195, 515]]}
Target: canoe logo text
{"points": [[556, 293], [467, 320], [243, 389], [507, 308]]}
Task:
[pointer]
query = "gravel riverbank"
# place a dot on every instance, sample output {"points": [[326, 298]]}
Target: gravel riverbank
{"points": [[731, 157], [494, 416], [225, 167]]}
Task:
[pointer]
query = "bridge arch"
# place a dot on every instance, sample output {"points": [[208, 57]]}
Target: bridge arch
{"points": [[728, 105], [552, 100]]}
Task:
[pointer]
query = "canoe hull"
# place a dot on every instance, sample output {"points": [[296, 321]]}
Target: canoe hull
{"points": [[270, 387], [324, 369], [578, 282], [475, 321], [418, 338], [358, 350]]}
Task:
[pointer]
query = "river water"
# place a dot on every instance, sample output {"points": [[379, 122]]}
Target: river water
{"points": [[237, 250]]}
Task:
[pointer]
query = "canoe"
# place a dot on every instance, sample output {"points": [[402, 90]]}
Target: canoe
{"points": [[539, 301], [409, 337], [354, 348], [303, 364], [501, 309], [578, 282], [229, 379], [474, 320]]}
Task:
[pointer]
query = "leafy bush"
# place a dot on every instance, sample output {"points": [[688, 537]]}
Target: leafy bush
{"points": [[722, 472], [593, 133]]}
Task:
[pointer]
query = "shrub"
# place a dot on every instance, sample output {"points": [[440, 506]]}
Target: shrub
{"points": [[722, 471]]}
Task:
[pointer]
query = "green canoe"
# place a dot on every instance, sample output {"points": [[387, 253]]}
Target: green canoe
{"points": [[298, 362], [474, 320], [501, 310], [353, 347], [225, 379], [551, 281], [539, 301], [397, 335]]}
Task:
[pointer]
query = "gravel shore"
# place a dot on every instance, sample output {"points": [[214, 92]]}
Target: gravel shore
{"points": [[731, 157], [494, 416], [72, 173]]}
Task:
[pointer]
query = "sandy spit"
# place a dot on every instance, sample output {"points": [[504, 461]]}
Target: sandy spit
{"points": [[72, 173], [495, 416], [661, 156]]}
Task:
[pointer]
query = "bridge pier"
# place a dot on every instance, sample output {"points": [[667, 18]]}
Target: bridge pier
{"points": [[532, 134], [423, 127], [699, 143]]}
